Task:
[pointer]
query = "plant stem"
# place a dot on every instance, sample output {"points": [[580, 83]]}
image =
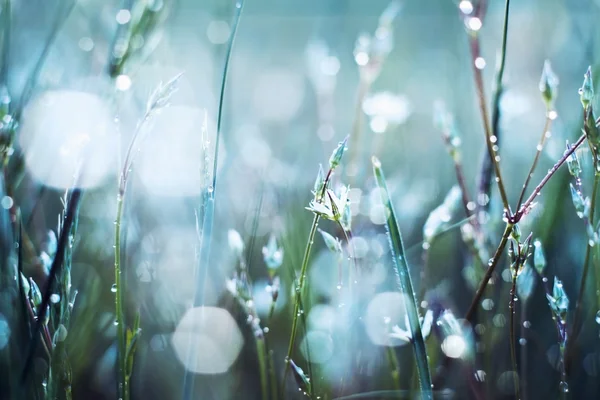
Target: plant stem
{"points": [[540, 146], [209, 204], [586, 264], [523, 351], [298, 294], [526, 206], [489, 138], [488, 273], [489, 162], [404, 283], [394, 367], [122, 389], [513, 350], [261, 351]]}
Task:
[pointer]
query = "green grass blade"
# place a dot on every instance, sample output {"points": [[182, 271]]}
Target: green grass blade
{"points": [[404, 283]]}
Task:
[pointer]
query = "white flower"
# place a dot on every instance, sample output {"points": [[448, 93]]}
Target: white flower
{"points": [[272, 254], [406, 335], [333, 207]]}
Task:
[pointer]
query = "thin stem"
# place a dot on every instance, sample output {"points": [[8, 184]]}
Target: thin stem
{"points": [[488, 162], [586, 264], [261, 351], [523, 350], [236, 21], [539, 148], [489, 138], [298, 294], [122, 388], [526, 206], [498, 88], [460, 176], [394, 367], [488, 273], [513, 350], [209, 203]]}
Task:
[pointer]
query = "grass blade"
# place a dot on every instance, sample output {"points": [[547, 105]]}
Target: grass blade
{"points": [[404, 283]]}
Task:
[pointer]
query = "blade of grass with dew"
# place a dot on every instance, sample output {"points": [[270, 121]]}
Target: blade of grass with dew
{"points": [[395, 394], [207, 208], [158, 99], [404, 282]]}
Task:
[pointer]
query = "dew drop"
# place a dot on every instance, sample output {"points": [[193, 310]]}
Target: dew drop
{"points": [[522, 341], [54, 298], [598, 317], [564, 387], [113, 288]]}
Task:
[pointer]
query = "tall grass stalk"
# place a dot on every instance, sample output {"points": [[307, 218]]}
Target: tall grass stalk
{"points": [[321, 195], [404, 283], [490, 138], [298, 294], [576, 328], [208, 204], [498, 89], [126, 339], [513, 350]]}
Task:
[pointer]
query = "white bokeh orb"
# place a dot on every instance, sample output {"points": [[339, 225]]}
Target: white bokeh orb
{"points": [[64, 129], [383, 312], [207, 340]]}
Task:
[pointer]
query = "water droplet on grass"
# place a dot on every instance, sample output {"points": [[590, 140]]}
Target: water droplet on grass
{"points": [[113, 288], [563, 387]]}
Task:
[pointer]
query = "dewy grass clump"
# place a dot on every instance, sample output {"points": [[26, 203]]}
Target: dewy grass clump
{"points": [[473, 274]]}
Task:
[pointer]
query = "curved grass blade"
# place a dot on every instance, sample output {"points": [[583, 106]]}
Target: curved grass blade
{"points": [[404, 283], [207, 208], [394, 394]]}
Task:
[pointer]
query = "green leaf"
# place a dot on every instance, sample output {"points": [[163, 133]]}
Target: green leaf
{"points": [[331, 242], [404, 283]]}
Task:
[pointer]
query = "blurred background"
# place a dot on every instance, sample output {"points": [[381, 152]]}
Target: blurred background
{"points": [[294, 90]]}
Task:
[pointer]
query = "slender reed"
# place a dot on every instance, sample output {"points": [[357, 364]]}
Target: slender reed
{"points": [[321, 205], [126, 339], [489, 163], [490, 135], [586, 267], [209, 202], [513, 350], [404, 283]]}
